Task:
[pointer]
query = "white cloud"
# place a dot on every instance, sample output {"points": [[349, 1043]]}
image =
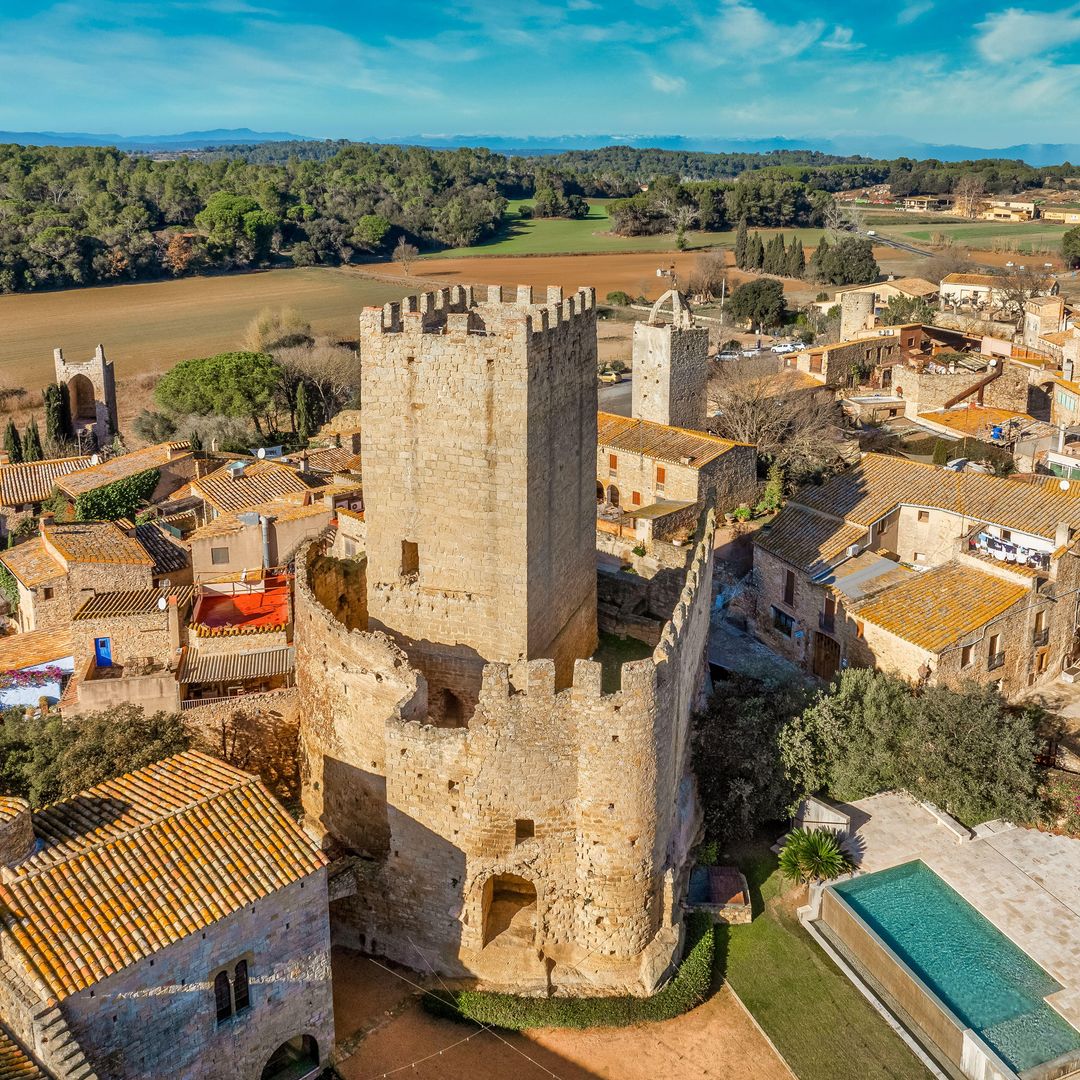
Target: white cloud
{"points": [[1015, 34], [841, 39], [739, 30], [667, 84], [913, 10]]}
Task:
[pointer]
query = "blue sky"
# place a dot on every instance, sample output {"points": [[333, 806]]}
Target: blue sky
{"points": [[987, 76]]}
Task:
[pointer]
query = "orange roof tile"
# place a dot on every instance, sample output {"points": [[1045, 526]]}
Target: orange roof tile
{"points": [[972, 420], [36, 647], [32, 564], [938, 607], [116, 468], [138, 863], [96, 542], [260, 482], [33, 481], [660, 441], [808, 541], [15, 1062]]}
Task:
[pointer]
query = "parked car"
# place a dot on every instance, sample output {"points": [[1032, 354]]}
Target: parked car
{"points": [[728, 356], [785, 347], [610, 377], [750, 352]]}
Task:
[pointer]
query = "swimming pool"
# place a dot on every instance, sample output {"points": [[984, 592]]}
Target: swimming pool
{"points": [[986, 980]]}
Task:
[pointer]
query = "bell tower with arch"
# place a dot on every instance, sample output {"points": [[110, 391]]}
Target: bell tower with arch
{"points": [[91, 388]]}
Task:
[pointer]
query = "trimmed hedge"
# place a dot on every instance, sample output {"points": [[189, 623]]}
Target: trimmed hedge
{"points": [[689, 988]]}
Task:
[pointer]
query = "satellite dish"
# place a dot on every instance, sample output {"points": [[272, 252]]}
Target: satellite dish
{"points": [[95, 459], [162, 603], [261, 452], [1064, 485]]}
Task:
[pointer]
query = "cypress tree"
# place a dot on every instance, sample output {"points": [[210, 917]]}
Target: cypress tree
{"points": [[307, 422], [195, 441], [819, 261], [776, 256], [740, 245], [796, 259], [12, 443], [31, 447], [755, 253]]}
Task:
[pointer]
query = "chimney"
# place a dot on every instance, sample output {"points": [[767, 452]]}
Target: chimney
{"points": [[45, 520], [1067, 369], [174, 623], [236, 469], [302, 465], [1061, 438], [1062, 535]]}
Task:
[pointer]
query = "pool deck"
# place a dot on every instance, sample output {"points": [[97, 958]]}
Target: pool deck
{"points": [[1027, 883]]}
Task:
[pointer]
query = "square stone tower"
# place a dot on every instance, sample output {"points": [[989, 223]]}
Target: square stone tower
{"points": [[670, 372], [91, 388], [479, 446]]}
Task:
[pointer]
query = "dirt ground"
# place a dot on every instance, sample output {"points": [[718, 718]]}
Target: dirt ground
{"points": [[382, 1030]]}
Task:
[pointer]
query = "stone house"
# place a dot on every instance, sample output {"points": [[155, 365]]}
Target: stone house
{"points": [[921, 570], [520, 821], [903, 288], [258, 538], [24, 487], [849, 363], [245, 484], [65, 563], [175, 463], [982, 292], [1061, 214], [661, 478], [114, 968]]}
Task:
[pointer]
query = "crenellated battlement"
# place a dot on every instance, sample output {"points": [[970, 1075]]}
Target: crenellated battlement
{"points": [[460, 311]]}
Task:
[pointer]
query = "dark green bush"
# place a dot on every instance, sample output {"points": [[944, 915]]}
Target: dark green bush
{"points": [[687, 989], [118, 499]]}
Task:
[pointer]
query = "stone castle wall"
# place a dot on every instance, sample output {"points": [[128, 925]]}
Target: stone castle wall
{"points": [[581, 796]]}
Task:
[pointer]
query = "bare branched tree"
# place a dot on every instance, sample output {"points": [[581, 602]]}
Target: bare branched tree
{"points": [[969, 195], [404, 253], [840, 217], [708, 276], [756, 403], [332, 370], [1015, 286]]}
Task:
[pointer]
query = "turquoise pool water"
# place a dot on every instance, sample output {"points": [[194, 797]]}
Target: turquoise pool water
{"points": [[988, 982]]}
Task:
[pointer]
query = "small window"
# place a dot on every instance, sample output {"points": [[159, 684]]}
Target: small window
{"points": [[47, 593], [924, 515], [967, 654], [783, 622], [612, 464], [241, 997], [919, 556], [995, 642], [789, 587], [350, 548], [635, 498], [222, 996], [523, 830], [661, 477], [219, 556], [410, 558], [1006, 534]]}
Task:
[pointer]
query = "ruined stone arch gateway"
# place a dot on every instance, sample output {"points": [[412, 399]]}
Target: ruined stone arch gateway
{"points": [[537, 839]]}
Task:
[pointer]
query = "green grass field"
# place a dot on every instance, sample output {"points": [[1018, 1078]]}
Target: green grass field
{"points": [[822, 1025], [562, 236], [987, 235]]}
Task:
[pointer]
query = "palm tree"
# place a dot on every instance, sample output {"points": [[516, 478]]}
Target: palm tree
{"points": [[813, 855]]}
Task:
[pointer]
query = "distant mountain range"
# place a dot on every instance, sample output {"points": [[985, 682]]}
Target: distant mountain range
{"points": [[185, 140], [875, 146]]}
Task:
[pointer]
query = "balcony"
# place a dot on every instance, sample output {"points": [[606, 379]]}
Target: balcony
{"points": [[996, 660], [1041, 637]]}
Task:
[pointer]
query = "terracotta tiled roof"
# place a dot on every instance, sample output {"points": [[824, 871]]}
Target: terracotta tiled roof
{"points": [[910, 286], [32, 564], [344, 511], [169, 555], [986, 280], [287, 508], [11, 806], [112, 605], [118, 468], [34, 647], [33, 482], [15, 1062], [261, 481], [938, 607], [659, 441], [96, 542], [877, 485], [334, 459], [809, 541], [133, 865]]}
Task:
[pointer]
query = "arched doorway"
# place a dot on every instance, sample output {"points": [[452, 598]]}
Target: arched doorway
{"points": [[81, 398], [293, 1059], [613, 495], [599, 492], [509, 909], [453, 711]]}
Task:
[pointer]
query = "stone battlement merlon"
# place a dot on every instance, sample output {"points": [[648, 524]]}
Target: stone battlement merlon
{"points": [[459, 310]]}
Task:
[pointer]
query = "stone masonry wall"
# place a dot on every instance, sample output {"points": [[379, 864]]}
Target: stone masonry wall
{"points": [[157, 1019], [670, 371], [584, 796], [926, 391]]}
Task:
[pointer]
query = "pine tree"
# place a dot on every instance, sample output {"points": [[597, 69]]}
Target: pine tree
{"points": [[307, 419], [31, 447], [755, 253], [740, 245], [796, 259], [12, 443]]}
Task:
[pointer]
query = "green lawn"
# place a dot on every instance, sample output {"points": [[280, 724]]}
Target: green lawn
{"points": [[562, 236], [984, 234], [822, 1025]]}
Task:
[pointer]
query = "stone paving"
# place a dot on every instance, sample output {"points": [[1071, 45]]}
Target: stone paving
{"points": [[1027, 883]]}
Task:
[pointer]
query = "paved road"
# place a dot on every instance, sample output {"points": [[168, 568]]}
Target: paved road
{"points": [[889, 242], [615, 398]]}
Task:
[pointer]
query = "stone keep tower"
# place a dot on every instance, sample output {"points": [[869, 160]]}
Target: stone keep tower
{"points": [[91, 387], [478, 444], [670, 368], [856, 313]]}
